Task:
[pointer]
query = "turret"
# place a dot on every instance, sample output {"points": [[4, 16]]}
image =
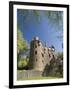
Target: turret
{"points": [[36, 61]]}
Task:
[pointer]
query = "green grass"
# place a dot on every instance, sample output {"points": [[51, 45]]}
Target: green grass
{"points": [[38, 78]]}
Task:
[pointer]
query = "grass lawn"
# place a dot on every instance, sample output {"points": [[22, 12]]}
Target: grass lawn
{"points": [[35, 78], [38, 78]]}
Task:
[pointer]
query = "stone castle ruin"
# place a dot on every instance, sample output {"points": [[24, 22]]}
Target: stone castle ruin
{"points": [[40, 55]]}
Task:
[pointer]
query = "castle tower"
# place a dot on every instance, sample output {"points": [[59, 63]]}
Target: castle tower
{"points": [[36, 61], [39, 56]]}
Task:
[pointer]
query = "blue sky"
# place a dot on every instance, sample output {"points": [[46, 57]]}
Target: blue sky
{"points": [[46, 30]]}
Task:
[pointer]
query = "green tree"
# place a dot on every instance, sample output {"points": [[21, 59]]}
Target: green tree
{"points": [[55, 68], [60, 55], [21, 45]]}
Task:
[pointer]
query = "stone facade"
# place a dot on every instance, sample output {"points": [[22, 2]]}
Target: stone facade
{"points": [[39, 55]]}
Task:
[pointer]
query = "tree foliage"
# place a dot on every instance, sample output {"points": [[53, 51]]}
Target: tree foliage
{"points": [[55, 68], [54, 16], [21, 43], [21, 46]]}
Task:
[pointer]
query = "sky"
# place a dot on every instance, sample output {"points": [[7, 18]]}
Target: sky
{"points": [[44, 28]]}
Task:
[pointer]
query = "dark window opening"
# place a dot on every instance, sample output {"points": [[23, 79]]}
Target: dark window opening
{"points": [[42, 55], [38, 43], [53, 56], [35, 46], [49, 55], [35, 52], [48, 50]]}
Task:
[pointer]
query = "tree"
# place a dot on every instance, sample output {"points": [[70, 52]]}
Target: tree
{"points": [[21, 45], [55, 68], [60, 55]]}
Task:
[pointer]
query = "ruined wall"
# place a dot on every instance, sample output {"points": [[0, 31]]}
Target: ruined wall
{"points": [[39, 55], [46, 56], [26, 74]]}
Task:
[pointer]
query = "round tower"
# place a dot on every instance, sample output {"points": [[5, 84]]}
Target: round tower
{"points": [[36, 60]]}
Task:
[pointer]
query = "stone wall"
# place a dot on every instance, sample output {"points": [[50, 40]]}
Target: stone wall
{"points": [[25, 74], [39, 55]]}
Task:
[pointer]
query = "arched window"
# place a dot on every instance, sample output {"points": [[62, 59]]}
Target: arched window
{"points": [[35, 52]]}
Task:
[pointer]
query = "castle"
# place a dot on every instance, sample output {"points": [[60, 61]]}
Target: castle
{"points": [[40, 55]]}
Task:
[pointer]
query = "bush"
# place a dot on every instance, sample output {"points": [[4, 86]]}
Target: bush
{"points": [[22, 63], [55, 68]]}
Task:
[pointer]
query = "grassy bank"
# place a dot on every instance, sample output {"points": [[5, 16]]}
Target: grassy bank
{"points": [[35, 78]]}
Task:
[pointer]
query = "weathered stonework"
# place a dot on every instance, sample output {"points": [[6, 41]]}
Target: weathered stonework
{"points": [[39, 55]]}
